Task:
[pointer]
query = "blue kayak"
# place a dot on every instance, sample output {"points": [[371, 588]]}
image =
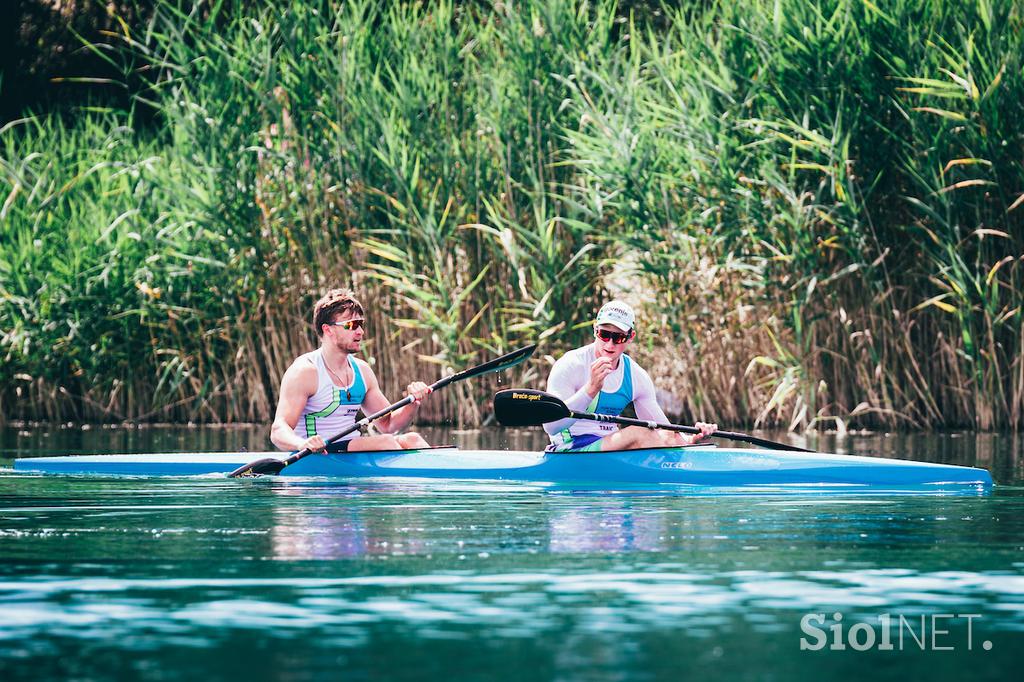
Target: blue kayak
{"points": [[703, 465]]}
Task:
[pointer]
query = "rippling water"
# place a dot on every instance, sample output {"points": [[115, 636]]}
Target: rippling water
{"points": [[211, 579]]}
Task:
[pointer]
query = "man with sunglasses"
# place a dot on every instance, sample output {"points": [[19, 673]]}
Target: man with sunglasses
{"points": [[323, 390], [600, 378]]}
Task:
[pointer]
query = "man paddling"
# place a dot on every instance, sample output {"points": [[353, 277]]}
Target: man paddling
{"points": [[600, 378], [323, 390]]}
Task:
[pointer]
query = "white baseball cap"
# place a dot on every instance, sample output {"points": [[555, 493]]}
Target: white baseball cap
{"points": [[616, 313]]}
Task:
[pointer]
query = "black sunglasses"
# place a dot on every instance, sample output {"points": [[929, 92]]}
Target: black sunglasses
{"points": [[615, 337]]}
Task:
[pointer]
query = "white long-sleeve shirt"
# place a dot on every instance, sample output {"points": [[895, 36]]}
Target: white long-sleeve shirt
{"points": [[568, 380]]}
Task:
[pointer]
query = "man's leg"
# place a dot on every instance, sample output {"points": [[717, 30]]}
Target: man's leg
{"points": [[412, 440], [637, 437], [386, 441], [382, 442]]}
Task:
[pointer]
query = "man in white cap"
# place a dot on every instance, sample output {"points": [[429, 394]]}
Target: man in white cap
{"points": [[600, 378]]}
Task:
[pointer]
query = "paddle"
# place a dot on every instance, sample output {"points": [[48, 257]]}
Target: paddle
{"points": [[274, 466], [524, 407]]}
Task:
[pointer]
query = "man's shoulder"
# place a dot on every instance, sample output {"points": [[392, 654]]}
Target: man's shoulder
{"points": [[303, 361], [571, 369], [301, 376]]}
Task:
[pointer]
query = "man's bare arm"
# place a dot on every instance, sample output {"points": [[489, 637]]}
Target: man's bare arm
{"points": [[297, 385]]}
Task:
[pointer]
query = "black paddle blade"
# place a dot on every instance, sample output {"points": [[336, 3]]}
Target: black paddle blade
{"points": [[524, 407], [496, 365], [261, 467]]}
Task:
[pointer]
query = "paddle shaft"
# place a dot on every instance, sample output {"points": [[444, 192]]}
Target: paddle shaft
{"points": [[731, 435]]}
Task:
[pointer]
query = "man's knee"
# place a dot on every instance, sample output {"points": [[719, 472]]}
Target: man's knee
{"points": [[412, 440], [379, 442], [628, 438]]}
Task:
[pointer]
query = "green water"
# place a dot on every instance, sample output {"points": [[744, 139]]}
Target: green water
{"points": [[206, 578]]}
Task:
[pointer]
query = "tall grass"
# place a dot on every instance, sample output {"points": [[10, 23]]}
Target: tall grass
{"points": [[847, 177], [815, 205]]}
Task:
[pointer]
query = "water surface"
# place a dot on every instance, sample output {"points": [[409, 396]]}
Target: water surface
{"points": [[208, 578]]}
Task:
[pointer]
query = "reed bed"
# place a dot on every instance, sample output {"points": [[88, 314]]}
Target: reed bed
{"points": [[814, 203]]}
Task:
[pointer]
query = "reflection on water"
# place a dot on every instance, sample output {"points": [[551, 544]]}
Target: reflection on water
{"points": [[612, 525], [608, 526], [297, 534]]}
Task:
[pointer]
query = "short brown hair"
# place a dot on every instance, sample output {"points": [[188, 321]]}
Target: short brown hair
{"points": [[333, 302]]}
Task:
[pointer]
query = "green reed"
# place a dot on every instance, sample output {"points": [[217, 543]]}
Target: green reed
{"points": [[810, 143], [816, 205]]}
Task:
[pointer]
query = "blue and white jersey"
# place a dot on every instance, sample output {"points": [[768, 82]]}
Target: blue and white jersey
{"points": [[627, 383], [332, 408]]}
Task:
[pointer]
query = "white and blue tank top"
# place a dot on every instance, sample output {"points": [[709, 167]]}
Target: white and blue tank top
{"points": [[332, 408]]}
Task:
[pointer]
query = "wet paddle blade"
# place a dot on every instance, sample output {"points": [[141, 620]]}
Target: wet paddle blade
{"points": [[524, 407], [261, 467]]}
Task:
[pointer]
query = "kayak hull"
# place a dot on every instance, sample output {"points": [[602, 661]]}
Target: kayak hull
{"points": [[698, 465]]}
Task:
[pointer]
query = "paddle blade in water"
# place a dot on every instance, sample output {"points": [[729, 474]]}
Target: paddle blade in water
{"points": [[523, 407], [261, 467]]}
